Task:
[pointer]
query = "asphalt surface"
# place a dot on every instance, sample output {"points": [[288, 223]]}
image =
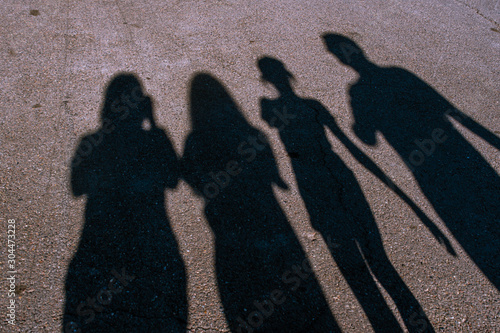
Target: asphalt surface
{"points": [[198, 63]]}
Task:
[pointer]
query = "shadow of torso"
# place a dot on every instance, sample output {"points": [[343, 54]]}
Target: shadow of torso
{"points": [[126, 231], [459, 183]]}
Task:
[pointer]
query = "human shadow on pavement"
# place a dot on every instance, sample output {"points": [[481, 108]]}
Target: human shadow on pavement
{"points": [[335, 202], [127, 274], [416, 121], [265, 281]]}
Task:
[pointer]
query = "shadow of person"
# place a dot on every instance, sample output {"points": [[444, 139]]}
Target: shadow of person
{"points": [[335, 202], [415, 120], [265, 281], [127, 274]]}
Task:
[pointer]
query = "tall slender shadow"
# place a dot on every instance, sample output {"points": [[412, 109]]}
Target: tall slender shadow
{"points": [[266, 283], [336, 204], [127, 274], [415, 119]]}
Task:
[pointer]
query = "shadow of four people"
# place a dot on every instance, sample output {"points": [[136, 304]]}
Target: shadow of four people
{"points": [[127, 274]]}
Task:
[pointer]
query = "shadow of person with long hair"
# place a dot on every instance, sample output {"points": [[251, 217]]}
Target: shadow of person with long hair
{"points": [[335, 202], [415, 119], [266, 283], [127, 274]]}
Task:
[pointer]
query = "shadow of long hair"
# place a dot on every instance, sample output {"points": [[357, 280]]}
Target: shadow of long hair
{"points": [[265, 281]]}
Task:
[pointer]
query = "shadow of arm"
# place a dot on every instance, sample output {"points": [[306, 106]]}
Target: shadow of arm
{"points": [[375, 170], [475, 127]]}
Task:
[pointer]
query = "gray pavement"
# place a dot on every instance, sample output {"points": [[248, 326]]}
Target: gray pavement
{"points": [[57, 59]]}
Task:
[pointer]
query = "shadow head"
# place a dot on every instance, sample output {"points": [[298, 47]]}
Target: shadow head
{"points": [[211, 105], [345, 49], [274, 71], [125, 102]]}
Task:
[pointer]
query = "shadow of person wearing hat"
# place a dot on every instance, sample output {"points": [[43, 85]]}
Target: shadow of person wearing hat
{"points": [[335, 201]]}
